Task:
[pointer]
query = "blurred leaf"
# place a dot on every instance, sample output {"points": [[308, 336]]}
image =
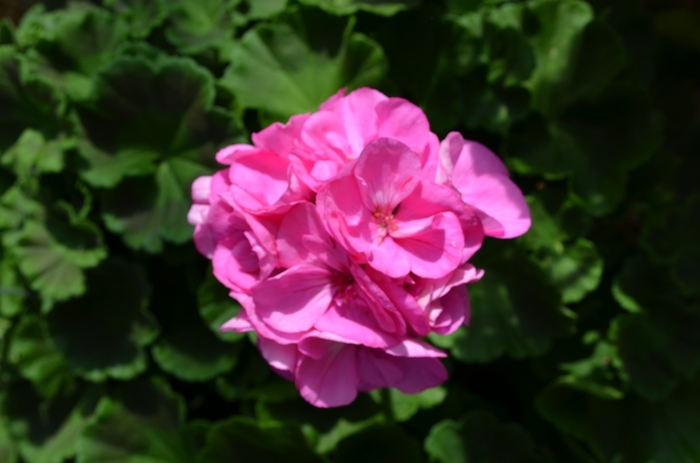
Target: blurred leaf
{"points": [[103, 333], [405, 406], [141, 15], [561, 24], [195, 25], [156, 119], [261, 9], [629, 430], [379, 443], [70, 45], [216, 307], [242, 440], [7, 32], [594, 143], [657, 344], [33, 154], [144, 423], [670, 234], [12, 293], [8, 449], [573, 267], [37, 359], [52, 246], [380, 7], [189, 350], [480, 438], [46, 431], [514, 310], [26, 101], [274, 69]]}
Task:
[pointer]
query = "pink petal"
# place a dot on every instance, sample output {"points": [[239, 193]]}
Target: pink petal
{"points": [[330, 381], [435, 250], [259, 180], [281, 138], [401, 120], [201, 188], [415, 348], [231, 153], [377, 370], [454, 311], [500, 204], [295, 299], [239, 324], [406, 304], [353, 322], [279, 356], [197, 214], [303, 238], [420, 374], [387, 172]]}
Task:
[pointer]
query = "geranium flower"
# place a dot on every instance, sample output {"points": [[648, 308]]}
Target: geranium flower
{"points": [[346, 234]]}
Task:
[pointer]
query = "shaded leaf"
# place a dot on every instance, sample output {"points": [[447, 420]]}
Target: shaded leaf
{"points": [[158, 119], [380, 7], [37, 359], [46, 431], [243, 440], [629, 430], [103, 333], [26, 101], [480, 438], [70, 45], [142, 16], [51, 245], [216, 307], [595, 143], [189, 350], [196, 25], [514, 310], [275, 70], [379, 443], [142, 423]]}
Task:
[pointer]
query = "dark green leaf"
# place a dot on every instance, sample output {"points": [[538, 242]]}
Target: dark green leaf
{"points": [[142, 424], [196, 25], [52, 246], [380, 7], [69, 45], [261, 9], [46, 431], [595, 144], [514, 310], [189, 350], [37, 359], [26, 101], [103, 333], [243, 440], [480, 438], [152, 119], [628, 430], [216, 307], [12, 293], [275, 70], [141, 15], [378, 444]]}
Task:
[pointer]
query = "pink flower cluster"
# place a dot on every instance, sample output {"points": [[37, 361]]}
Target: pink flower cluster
{"points": [[345, 235]]}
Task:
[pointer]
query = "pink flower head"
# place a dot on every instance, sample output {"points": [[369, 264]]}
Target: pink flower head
{"points": [[345, 235]]}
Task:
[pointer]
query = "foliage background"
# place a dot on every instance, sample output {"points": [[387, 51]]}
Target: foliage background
{"points": [[583, 345]]}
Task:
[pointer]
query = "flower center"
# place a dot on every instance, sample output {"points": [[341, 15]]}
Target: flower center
{"points": [[385, 223]]}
